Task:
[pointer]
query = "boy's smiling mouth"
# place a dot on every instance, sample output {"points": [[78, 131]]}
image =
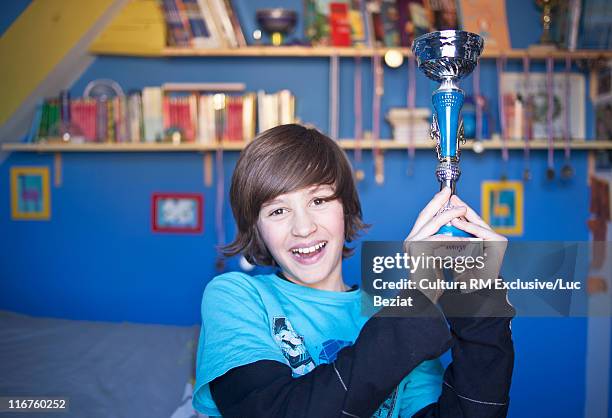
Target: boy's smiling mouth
{"points": [[308, 254]]}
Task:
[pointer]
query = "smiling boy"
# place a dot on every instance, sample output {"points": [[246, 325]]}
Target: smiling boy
{"points": [[295, 343]]}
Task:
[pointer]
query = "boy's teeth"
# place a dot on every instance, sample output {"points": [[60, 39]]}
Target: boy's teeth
{"points": [[308, 250]]}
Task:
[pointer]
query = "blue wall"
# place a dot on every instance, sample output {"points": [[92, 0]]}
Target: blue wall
{"points": [[98, 259]]}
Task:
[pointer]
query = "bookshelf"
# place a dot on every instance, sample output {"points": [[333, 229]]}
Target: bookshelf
{"points": [[347, 144], [306, 51]]}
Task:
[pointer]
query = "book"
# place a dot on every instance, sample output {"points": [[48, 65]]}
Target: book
{"points": [[375, 23], [359, 33], [513, 86], [316, 22], [235, 24], [209, 15], [224, 24], [201, 30], [414, 20], [178, 32], [152, 114], [339, 24], [488, 19]]}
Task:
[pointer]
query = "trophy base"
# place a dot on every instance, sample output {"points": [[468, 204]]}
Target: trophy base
{"points": [[453, 231]]}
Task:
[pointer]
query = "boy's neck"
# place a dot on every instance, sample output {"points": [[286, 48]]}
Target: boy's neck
{"points": [[329, 285]]}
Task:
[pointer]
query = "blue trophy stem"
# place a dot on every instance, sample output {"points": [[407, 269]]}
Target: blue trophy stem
{"points": [[447, 105]]}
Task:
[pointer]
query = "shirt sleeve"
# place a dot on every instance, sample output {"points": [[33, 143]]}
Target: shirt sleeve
{"points": [[421, 387], [233, 317]]}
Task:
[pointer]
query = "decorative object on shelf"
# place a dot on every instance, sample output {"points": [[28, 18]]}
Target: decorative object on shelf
{"points": [[472, 119], [102, 88], [278, 22], [177, 212], [534, 95], [447, 57], [487, 18], [444, 14], [547, 7], [30, 193], [564, 25], [410, 125], [502, 206]]}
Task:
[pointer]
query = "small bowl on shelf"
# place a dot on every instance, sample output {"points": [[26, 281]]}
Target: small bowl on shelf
{"points": [[277, 22]]}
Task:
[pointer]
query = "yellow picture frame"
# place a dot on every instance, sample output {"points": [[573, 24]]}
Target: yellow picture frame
{"points": [[502, 206], [30, 200]]}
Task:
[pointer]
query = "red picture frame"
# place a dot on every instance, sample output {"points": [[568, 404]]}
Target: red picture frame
{"points": [[182, 213]]}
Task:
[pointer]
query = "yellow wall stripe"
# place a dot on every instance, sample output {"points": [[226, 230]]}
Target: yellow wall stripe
{"points": [[37, 41]]}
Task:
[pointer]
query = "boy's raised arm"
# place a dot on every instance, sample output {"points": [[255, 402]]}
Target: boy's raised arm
{"points": [[477, 382]]}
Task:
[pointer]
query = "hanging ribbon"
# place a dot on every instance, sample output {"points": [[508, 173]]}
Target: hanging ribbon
{"points": [[411, 106], [477, 102], [549, 117], [220, 187], [501, 63], [526, 117], [567, 171], [378, 92], [333, 96], [357, 113]]}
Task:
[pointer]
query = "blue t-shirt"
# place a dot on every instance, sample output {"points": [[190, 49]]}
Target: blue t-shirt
{"points": [[250, 318]]}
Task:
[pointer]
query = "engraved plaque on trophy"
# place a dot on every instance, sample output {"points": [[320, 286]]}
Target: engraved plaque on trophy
{"points": [[448, 56]]}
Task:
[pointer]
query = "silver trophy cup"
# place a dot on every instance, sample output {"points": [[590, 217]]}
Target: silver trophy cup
{"points": [[448, 56]]}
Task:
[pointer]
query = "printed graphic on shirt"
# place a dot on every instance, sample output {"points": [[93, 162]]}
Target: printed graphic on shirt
{"points": [[386, 409], [328, 354], [330, 349], [292, 345]]}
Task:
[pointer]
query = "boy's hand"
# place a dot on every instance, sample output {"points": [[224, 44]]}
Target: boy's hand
{"points": [[421, 239], [494, 244]]}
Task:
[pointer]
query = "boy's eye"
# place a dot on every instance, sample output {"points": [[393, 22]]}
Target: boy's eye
{"points": [[320, 200], [276, 212]]}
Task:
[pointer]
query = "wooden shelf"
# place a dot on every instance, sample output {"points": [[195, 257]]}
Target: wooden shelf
{"points": [[384, 144], [304, 51]]}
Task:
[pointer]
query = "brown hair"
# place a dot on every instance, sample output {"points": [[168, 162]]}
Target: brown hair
{"points": [[281, 160]]}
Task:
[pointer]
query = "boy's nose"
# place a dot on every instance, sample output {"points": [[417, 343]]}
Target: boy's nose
{"points": [[303, 225]]}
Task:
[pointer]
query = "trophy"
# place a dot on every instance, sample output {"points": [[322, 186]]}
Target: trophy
{"points": [[448, 56]]}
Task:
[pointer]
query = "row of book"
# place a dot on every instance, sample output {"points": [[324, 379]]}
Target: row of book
{"points": [[153, 115], [202, 24], [395, 23]]}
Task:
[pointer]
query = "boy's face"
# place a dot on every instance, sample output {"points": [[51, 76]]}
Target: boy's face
{"points": [[304, 232]]}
